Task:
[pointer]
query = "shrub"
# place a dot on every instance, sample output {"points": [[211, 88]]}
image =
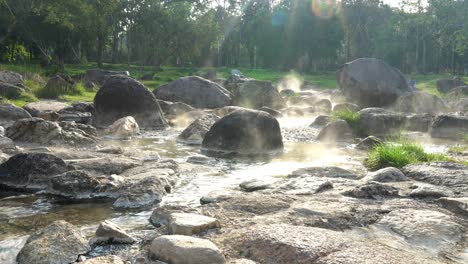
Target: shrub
{"points": [[352, 118], [400, 155]]}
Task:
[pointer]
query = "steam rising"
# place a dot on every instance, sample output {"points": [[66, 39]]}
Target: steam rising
{"points": [[290, 82]]}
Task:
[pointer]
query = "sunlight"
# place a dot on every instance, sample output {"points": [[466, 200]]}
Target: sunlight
{"points": [[325, 8]]}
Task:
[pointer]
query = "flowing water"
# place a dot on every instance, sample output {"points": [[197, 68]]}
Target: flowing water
{"points": [[20, 215]]}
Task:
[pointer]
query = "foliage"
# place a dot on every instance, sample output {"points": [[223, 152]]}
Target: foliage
{"points": [[400, 155], [352, 118], [279, 35]]}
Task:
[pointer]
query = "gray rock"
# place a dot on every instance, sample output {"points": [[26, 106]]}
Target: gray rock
{"points": [[10, 91], [189, 224], [10, 113], [37, 109], [445, 174], [106, 165], [368, 143], [31, 171], [255, 185], [446, 85], [323, 106], [99, 76], [54, 84], [256, 94], [271, 111], [284, 244], [195, 91], [174, 109], [244, 132], [459, 205], [380, 122], [449, 126], [420, 102], [104, 260], [324, 172], [58, 243], [372, 190], [419, 122], [371, 82], [197, 130], [428, 229], [110, 233], [460, 91], [113, 102], [389, 174], [12, 78], [320, 121], [346, 107], [424, 190], [178, 249], [40, 131], [338, 130], [78, 185], [6, 144]]}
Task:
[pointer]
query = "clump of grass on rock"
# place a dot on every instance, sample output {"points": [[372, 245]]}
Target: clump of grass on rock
{"points": [[352, 118], [399, 155]]}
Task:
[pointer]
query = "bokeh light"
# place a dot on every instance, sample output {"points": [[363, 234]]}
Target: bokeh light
{"points": [[325, 8]]}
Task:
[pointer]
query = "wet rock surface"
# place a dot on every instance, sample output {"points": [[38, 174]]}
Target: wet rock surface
{"points": [[60, 242]]}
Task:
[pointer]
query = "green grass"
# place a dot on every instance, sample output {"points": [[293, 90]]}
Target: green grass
{"points": [[400, 155], [458, 149], [164, 75], [427, 82], [352, 118]]}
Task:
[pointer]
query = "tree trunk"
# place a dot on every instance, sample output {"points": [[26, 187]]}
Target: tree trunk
{"points": [[100, 50], [115, 46]]}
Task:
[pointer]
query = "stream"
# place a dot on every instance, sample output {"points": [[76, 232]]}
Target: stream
{"points": [[21, 215]]}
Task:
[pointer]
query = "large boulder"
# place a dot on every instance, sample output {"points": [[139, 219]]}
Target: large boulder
{"points": [[30, 171], [450, 127], [419, 122], [256, 94], [195, 91], [244, 132], [99, 76], [371, 82], [122, 96], [446, 85], [56, 86], [10, 113], [40, 131], [58, 243], [380, 122], [12, 78], [196, 131], [420, 102], [10, 91], [177, 249]]}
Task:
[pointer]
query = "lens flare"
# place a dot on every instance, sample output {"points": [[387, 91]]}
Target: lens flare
{"points": [[325, 8]]}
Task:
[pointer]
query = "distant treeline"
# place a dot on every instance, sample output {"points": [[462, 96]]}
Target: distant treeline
{"points": [[306, 35]]}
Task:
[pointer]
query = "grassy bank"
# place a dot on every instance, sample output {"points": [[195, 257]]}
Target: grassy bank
{"points": [[164, 75]]}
